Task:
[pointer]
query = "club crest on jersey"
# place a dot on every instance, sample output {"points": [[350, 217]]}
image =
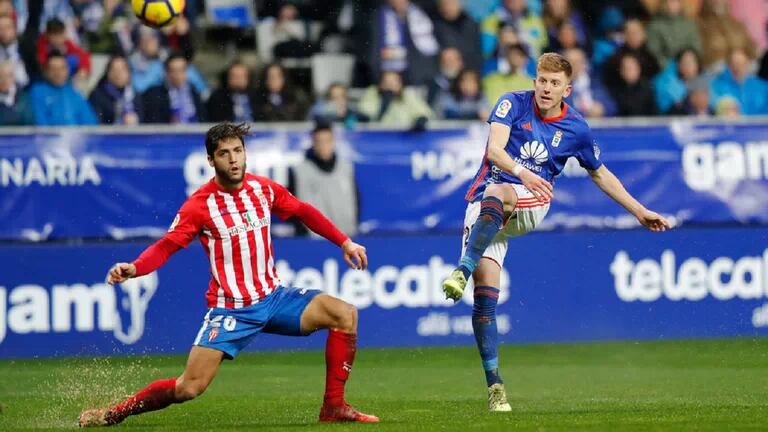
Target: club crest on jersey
{"points": [[175, 222], [557, 138], [503, 108], [534, 150]]}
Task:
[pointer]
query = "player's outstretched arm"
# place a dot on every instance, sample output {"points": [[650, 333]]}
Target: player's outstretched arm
{"points": [[120, 272], [150, 260], [611, 185]]}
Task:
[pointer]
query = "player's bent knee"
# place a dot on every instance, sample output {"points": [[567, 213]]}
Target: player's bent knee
{"points": [[188, 390], [347, 318]]}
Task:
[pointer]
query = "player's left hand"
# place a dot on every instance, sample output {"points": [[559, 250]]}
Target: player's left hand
{"points": [[653, 221], [354, 255]]}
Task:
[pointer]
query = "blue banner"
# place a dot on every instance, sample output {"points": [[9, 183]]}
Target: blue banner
{"points": [[71, 184], [556, 286]]}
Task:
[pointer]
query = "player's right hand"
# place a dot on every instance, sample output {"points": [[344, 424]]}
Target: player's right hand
{"points": [[354, 255], [121, 272], [539, 187]]}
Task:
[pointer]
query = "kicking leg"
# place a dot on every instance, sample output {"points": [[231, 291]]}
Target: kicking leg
{"points": [[487, 278], [496, 199], [340, 318], [202, 365]]}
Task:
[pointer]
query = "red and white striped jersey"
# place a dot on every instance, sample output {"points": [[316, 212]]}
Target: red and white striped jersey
{"points": [[234, 231]]}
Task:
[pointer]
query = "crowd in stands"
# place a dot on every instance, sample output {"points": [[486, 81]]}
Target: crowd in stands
{"points": [[414, 60]]}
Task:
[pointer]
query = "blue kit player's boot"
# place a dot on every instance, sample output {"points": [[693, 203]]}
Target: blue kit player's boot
{"points": [[497, 399], [454, 285]]}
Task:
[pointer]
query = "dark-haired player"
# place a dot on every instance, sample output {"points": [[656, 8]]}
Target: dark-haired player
{"points": [[231, 214]]}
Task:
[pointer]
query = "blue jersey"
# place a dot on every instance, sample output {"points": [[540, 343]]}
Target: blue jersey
{"points": [[543, 145]]}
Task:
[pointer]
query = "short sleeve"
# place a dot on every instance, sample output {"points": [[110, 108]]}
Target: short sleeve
{"points": [[186, 225], [588, 153], [504, 111], [284, 204]]}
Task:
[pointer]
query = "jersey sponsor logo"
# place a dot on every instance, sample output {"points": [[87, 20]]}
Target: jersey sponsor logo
{"points": [[79, 307], [250, 224], [557, 138], [596, 149], [534, 150], [503, 109], [709, 167], [412, 286], [175, 222]]}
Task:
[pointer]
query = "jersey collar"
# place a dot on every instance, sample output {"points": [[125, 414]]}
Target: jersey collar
{"points": [[562, 115]]}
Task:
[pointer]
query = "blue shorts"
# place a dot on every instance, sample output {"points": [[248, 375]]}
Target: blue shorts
{"points": [[231, 330]]}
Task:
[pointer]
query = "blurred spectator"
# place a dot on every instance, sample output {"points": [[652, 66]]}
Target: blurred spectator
{"points": [[464, 101], [291, 35], [754, 15], [481, 9], [451, 63], [671, 85], [175, 100], [728, 107], [88, 15], [148, 67], [739, 82], [235, 99], [514, 79], [634, 36], [10, 50], [335, 107], [56, 39], [61, 11], [15, 109], [530, 27], [564, 39], [404, 42], [697, 102], [507, 38], [558, 12], [633, 92], [454, 28], [392, 104], [113, 33], [611, 36], [277, 99], [763, 68], [721, 33], [55, 102], [328, 182], [671, 31], [588, 96], [113, 99]]}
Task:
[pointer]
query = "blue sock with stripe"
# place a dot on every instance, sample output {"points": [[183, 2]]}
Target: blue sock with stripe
{"points": [[486, 332], [485, 229]]}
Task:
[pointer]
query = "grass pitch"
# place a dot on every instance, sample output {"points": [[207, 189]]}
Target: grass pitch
{"points": [[717, 385]]}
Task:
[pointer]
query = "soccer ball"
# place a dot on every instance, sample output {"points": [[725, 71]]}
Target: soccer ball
{"points": [[157, 13]]}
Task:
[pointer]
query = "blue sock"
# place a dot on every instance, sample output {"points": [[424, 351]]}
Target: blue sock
{"points": [[485, 229], [486, 332]]}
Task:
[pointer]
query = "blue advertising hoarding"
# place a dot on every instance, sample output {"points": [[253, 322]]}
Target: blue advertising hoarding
{"points": [[557, 286], [74, 184]]}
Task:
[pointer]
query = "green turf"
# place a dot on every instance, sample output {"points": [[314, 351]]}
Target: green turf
{"points": [[717, 385]]}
